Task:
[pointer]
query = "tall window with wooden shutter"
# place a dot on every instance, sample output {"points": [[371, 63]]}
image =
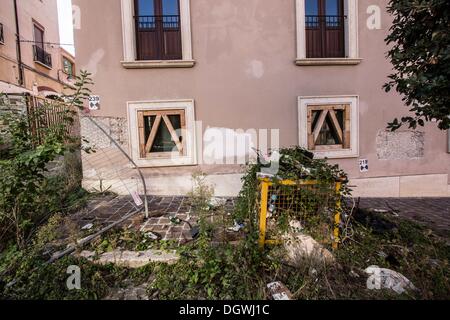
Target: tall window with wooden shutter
{"points": [[324, 23], [161, 133], [156, 34], [329, 126], [158, 30], [327, 32]]}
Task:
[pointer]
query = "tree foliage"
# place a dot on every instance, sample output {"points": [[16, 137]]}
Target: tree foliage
{"points": [[420, 55]]}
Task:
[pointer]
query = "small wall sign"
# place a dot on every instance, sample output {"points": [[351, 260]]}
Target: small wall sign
{"points": [[94, 102], [363, 165]]}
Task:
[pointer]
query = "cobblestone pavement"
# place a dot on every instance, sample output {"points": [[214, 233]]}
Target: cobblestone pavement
{"points": [[434, 213]]}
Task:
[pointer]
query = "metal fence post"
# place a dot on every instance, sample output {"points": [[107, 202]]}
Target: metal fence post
{"points": [[337, 217], [263, 213]]}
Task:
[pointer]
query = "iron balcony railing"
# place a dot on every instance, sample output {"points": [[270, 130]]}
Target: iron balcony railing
{"points": [[40, 55], [155, 22], [2, 37], [316, 22]]}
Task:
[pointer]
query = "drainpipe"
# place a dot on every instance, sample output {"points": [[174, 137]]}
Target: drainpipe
{"points": [[19, 50], [448, 141]]}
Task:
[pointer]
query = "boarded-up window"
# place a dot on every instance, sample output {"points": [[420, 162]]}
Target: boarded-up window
{"points": [[329, 127], [161, 133]]}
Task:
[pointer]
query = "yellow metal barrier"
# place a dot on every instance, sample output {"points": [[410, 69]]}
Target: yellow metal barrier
{"points": [[266, 183]]}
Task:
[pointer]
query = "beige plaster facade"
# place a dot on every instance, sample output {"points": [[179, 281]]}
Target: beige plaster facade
{"points": [[245, 70]]}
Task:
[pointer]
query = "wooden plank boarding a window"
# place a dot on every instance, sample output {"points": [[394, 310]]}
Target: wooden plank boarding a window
{"points": [[153, 132], [141, 134], [328, 127], [347, 126], [310, 131], [174, 134], [336, 126], [157, 133]]}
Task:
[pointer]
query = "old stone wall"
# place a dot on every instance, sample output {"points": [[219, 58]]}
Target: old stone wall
{"points": [[400, 145], [114, 126]]}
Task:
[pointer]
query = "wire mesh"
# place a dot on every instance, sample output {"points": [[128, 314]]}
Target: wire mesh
{"points": [[313, 205], [106, 169]]}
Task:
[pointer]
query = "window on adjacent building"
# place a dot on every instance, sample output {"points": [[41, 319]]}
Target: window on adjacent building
{"points": [[39, 53], [38, 36], [324, 25], [329, 125], [158, 30], [68, 67], [2, 37]]}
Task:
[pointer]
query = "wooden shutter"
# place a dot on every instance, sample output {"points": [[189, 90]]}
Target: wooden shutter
{"points": [[325, 32], [158, 35]]}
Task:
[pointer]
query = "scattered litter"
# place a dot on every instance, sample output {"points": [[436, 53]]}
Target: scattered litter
{"points": [[216, 202], [152, 236], [195, 232], [381, 210], [272, 207], [137, 198], [262, 175], [354, 274], [175, 220], [279, 291], [296, 226], [381, 278], [237, 227], [313, 272], [299, 246], [89, 226]]}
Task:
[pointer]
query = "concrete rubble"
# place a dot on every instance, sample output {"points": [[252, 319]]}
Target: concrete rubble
{"points": [[300, 246], [278, 291], [132, 293], [381, 278], [131, 259]]}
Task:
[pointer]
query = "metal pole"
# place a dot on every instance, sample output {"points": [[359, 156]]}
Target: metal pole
{"points": [[129, 159], [18, 48], [448, 141]]}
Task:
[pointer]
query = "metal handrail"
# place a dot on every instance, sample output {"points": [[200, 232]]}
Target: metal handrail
{"points": [[314, 21], [42, 56], [151, 21]]}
